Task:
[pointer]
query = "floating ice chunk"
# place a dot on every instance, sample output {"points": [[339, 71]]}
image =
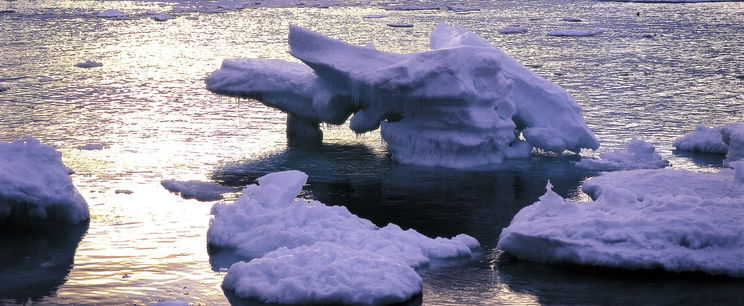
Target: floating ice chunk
{"points": [[640, 219], [201, 191], [463, 104], [513, 29], [575, 32], [308, 252], [638, 155], [162, 17], [91, 147], [3, 88], [413, 7], [88, 64], [123, 191], [733, 136], [571, 19], [461, 8], [374, 16], [151, 12], [36, 186], [400, 25], [703, 139], [111, 13]]}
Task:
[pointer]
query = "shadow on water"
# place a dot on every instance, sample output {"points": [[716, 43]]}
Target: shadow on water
{"points": [[702, 159], [36, 259], [559, 284]]}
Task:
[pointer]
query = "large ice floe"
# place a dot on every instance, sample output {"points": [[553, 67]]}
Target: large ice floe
{"points": [[725, 139], [675, 220], [638, 155], [462, 104], [309, 252], [35, 185]]}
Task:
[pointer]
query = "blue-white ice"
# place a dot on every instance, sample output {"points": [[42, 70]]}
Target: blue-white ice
{"points": [[675, 220], [638, 155], [309, 252], [462, 104], [201, 191], [725, 139], [35, 185]]}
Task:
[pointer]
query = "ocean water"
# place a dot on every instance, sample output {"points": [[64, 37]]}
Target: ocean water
{"points": [[656, 72]]}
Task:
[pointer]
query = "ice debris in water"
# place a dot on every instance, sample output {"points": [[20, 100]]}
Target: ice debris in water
{"points": [[575, 32], [571, 19], [638, 155], [400, 25], [3, 88], [35, 185], [676, 220], [462, 104], [513, 29], [307, 252], [111, 13], [725, 139], [200, 191], [88, 64], [161, 17], [91, 147]]}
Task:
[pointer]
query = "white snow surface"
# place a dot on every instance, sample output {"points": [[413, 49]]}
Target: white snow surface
{"points": [[308, 252], [638, 155], [675, 220], [462, 104], [725, 139], [575, 33], [35, 185], [201, 191]]}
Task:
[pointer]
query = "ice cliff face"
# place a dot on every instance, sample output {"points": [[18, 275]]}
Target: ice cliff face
{"points": [[462, 104]]}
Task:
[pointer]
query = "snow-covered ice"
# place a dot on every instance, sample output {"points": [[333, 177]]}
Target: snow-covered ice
{"points": [[638, 155], [725, 139], [111, 13], [575, 32], [675, 220], [162, 17], [88, 64], [200, 191], [35, 185], [462, 104], [309, 252], [513, 29]]}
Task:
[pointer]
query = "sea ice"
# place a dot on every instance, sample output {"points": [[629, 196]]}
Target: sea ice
{"points": [[725, 139], [200, 191], [161, 17], [462, 104], [400, 25], [676, 220], [35, 185], [308, 252], [574, 32], [88, 64], [638, 155], [512, 29], [111, 13]]}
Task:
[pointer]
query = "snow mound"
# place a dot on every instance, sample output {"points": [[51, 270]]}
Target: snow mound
{"points": [[638, 155], [575, 33], [35, 185], [111, 13], [462, 104], [162, 17], [725, 139], [200, 191], [676, 220], [308, 252], [512, 29], [88, 64]]}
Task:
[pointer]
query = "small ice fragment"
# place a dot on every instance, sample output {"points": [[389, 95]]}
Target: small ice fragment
{"points": [[151, 12], [91, 147], [414, 7], [200, 191], [461, 8], [88, 64], [161, 17], [638, 155], [123, 191], [3, 88], [111, 14], [571, 19], [513, 29], [374, 16], [575, 33], [400, 25]]}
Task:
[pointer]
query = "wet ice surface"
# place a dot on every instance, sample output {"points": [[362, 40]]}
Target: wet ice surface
{"points": [[654, 76]]}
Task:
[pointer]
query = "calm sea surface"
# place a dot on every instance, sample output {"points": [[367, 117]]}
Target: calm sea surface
{"points": [[656, 72]]}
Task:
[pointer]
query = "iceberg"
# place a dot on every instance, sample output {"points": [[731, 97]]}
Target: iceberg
{"points": [[462, 104], [675, 220], [35, 185], [308, 252], [638, 155], [725, 139]]}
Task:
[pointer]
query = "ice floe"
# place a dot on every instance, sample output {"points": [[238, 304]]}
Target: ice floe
{"points": [[638, 155], [162, 17], [676, 220], [462, 104], [200, 191], [88, 64], [461, 8], [412, 7], [513, 29], [111, 13], [374, 16], [400, 25], [308, 252], [575, 32], [725, 139], [35, 185]]}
